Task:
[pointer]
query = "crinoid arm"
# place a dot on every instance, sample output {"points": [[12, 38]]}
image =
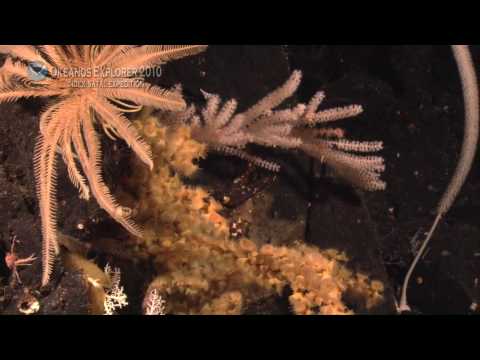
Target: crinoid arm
{"points": [[27, 53], [90, 153], [55, 55], [152, 55], [73, 172], [109, 53], [147, 95], [15, 71], [12, 94], [111, 116], [45, 178]]}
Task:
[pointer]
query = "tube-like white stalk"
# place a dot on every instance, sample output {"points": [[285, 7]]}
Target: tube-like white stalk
{"points": [[468, 77]]}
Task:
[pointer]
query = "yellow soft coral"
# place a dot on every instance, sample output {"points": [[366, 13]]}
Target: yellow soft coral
{"points": [[200, 270]]}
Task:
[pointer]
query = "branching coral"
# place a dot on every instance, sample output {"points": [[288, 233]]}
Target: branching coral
{"points": [[115, 298], [154, 304], [222, 129], [200, 269], [105, 294]]}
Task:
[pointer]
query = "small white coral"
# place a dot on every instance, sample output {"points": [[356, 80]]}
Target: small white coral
{"points": [[154, 304], [115, 297]]}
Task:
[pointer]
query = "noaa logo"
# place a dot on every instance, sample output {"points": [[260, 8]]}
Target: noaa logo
{"points": [[37, 71]]}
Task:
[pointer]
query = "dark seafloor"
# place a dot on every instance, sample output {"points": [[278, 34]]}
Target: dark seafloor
{"points": [[413, 102]]}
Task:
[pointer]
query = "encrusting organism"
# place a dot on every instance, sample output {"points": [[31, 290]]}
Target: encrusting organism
{"points": [[93, 86], [469, 147], [200, 270], [224, 130]]}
